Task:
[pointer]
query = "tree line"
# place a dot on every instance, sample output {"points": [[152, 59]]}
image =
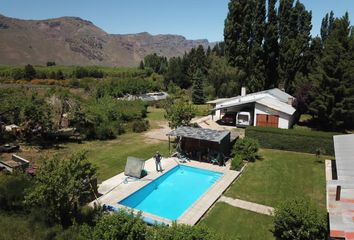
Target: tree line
{"points": [[273, 47], [267, 44], [28, 72]]}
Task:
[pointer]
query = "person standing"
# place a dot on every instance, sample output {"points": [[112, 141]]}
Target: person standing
{"points": [[158, 158]]}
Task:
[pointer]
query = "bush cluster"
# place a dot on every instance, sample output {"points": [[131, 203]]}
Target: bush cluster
{"points": [[299, 219], [140, 126], [237, 163], [12, 190], [247, 149], [293, 139], [121, 225]]}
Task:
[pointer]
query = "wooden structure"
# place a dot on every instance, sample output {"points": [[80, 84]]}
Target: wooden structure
{"points": [[200, 143]]}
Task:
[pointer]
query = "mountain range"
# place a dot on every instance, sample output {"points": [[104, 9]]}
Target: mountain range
{"points": [[75, 41]]}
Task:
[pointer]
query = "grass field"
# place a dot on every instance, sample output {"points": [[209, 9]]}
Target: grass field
{"points": [[109, 157], [155, 116], [233, 223], [202, 110], [279, 176]]}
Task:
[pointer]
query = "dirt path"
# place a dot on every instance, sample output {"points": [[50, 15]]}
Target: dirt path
{"points": [[158, 134]]}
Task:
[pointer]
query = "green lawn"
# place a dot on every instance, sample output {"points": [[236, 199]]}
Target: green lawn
{"points": [[202, 110], [281, 175], [233, 223], [155, 116], [110, 156]]}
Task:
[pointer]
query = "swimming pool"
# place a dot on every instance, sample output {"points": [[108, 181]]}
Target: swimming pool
{"points": [[170, 195]]}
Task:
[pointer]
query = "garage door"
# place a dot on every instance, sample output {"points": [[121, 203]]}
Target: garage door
{"points": [[265, 120]]}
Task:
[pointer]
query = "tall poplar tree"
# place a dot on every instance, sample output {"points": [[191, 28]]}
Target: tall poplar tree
{"points": [[294, 34], [271, 47], [243, 37]]}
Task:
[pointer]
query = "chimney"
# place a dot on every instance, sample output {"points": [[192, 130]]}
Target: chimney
{"points": [[243, 91], [339, 188], [290, 101]]}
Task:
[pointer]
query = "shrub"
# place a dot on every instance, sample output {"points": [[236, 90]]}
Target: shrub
{"points": [[12, 190], [299, 219], [50, 64], [61, 187], [237, 162], [293, 139], [120, 225], [247, 148], [180, 231], [140, 126]]}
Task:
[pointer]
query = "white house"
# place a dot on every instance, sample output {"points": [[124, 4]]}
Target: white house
{"points": [[271, 107]]}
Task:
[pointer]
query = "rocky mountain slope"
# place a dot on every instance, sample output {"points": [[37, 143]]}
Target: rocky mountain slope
{"points": [[74, 41]]}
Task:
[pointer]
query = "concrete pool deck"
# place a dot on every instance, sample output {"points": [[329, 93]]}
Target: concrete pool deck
{"points": [[120, 186]]}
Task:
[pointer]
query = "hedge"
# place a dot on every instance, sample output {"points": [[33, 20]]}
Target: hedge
{"points": [[293, 139]]}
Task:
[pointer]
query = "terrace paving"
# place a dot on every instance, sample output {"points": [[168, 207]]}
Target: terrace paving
{"points": [[120, 186]]}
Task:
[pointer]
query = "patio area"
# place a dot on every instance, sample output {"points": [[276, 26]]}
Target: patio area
{"points": [[120, 186]]}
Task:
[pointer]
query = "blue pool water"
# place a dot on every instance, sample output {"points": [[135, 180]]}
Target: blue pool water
{"points": [[173, 193]]}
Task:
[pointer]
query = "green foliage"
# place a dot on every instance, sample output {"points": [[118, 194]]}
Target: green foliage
{"points": [[271, 47], [243, 34], [49, 72], [177, 73], [157, 63], [181, 232], [237, 162], [247, 148], [222, 79], [61, 187], [140, 126], [49, 64], [292, 139], [333, 104], [104, 118], [29, 72], [28, 109], [179, 110], [12, 190], [82, 72], [181, 71], [17, 73], [118, 87], [294, 42], [37, 118], [119, 225], [198, 91], [299, 219]]}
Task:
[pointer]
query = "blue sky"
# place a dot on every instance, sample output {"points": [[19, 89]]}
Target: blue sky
{"points": [[194, 19]]}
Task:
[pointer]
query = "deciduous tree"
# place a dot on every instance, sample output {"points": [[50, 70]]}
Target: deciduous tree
{"points": [[61, 187], [299, 220]]}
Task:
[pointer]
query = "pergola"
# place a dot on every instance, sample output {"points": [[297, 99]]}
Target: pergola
{"points": [[200, 141]]}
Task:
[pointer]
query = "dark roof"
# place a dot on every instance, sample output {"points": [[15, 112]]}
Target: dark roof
{"points": [[200, 133]]}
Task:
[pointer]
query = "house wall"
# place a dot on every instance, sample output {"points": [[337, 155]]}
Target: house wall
{"points": [[284, 119], [217, 115]]}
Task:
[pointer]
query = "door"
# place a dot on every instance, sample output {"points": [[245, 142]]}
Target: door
{"points": [[265, 120]]}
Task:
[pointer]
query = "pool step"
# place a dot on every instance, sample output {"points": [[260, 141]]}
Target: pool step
{"points": [[213, 180]]}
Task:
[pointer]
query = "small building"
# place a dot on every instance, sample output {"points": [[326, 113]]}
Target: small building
{"points": [[272, 108], [340, 188], [198, 143]]}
